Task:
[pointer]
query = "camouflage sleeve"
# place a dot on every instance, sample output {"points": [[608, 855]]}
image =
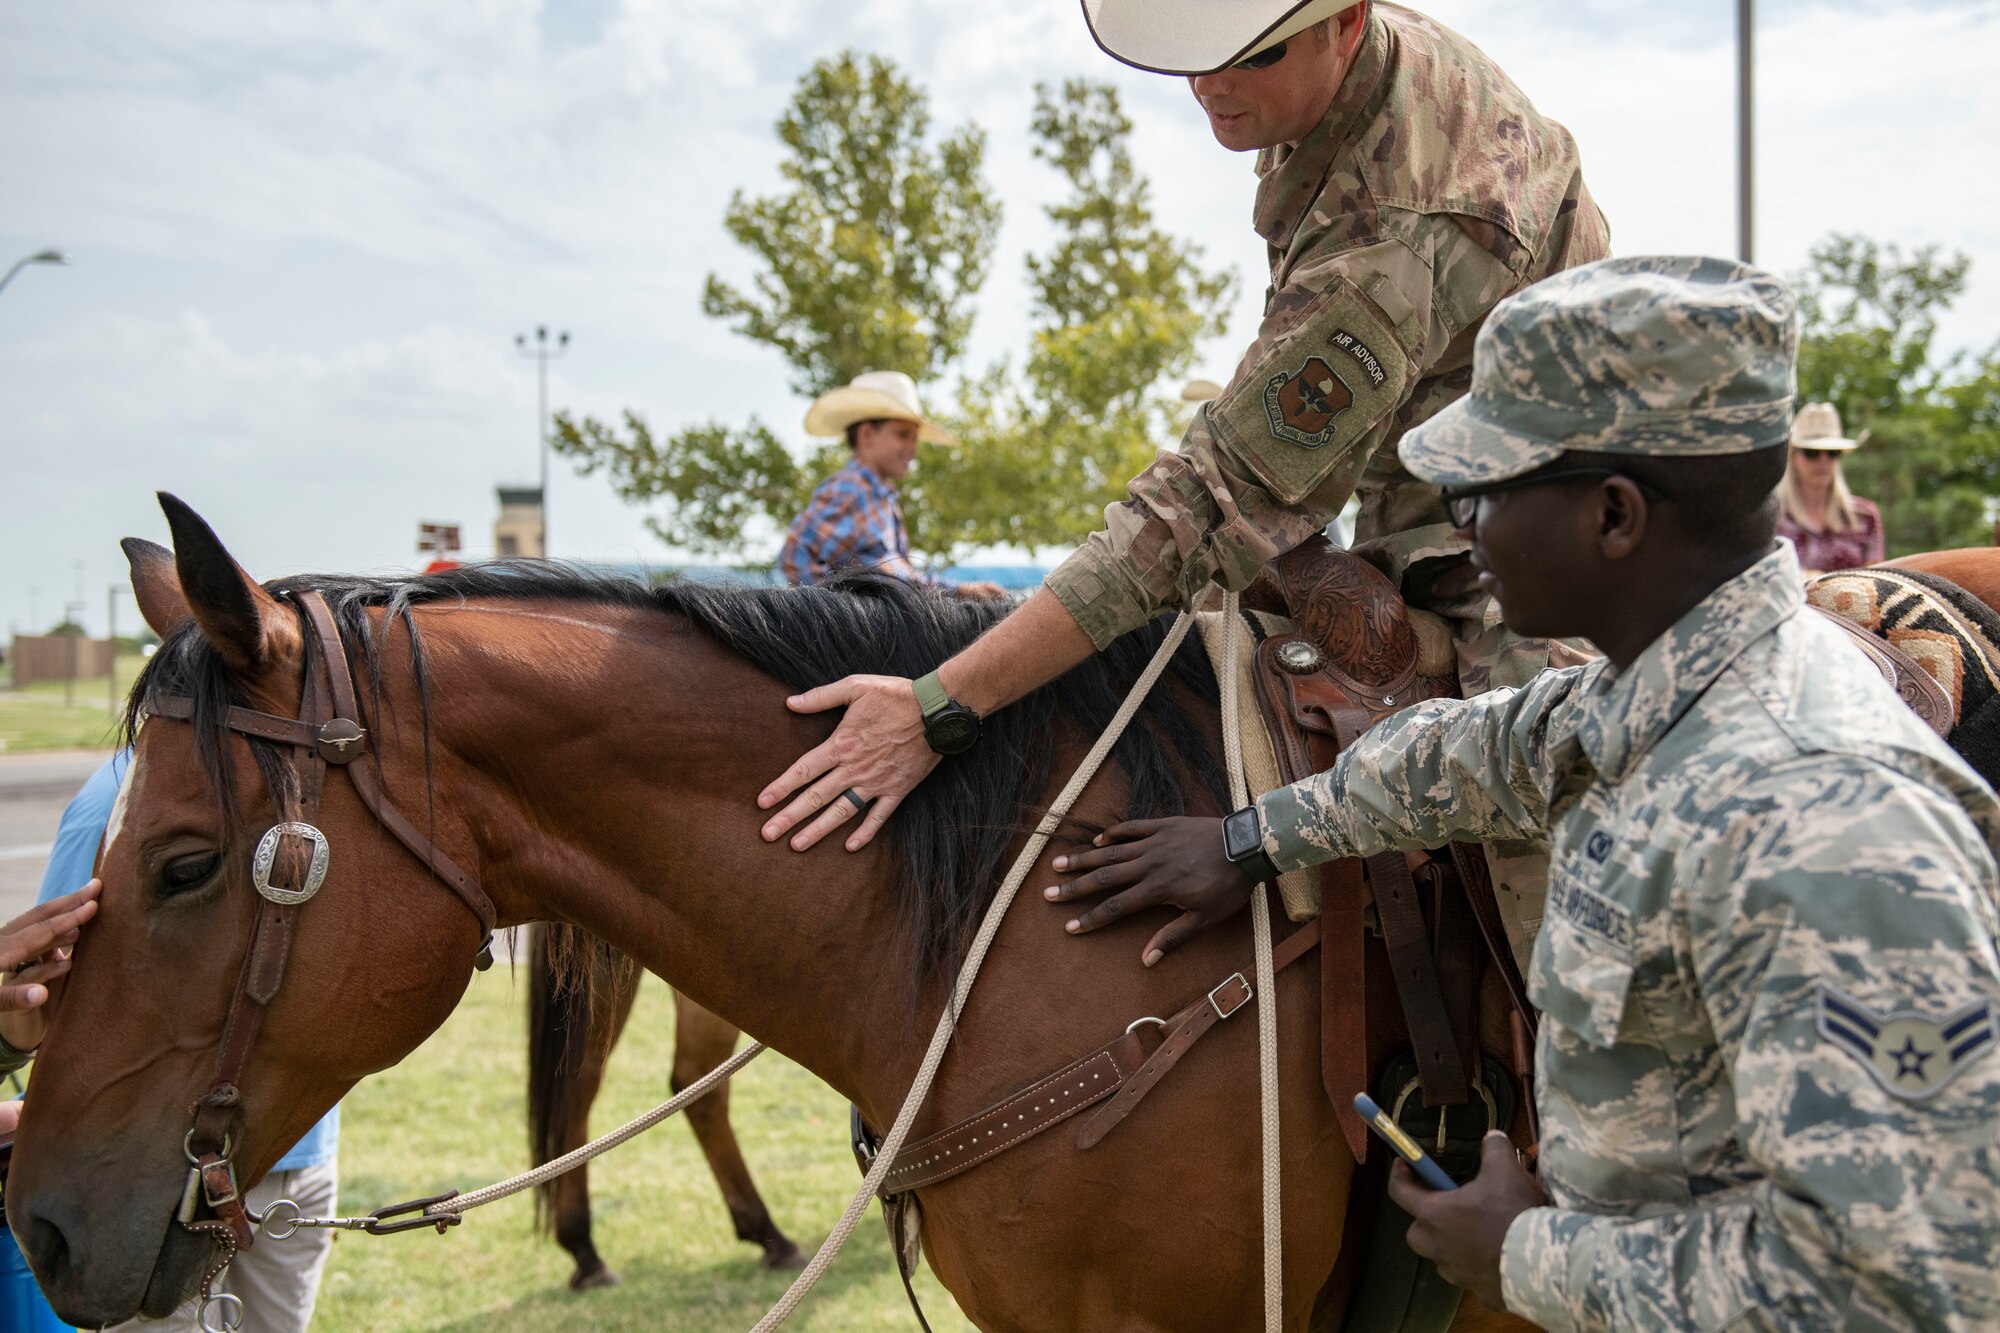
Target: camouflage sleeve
{"points": [[1273, 459], [1838, 935], [1442, 770]]}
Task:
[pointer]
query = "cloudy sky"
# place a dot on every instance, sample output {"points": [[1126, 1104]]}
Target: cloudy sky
{"points": [[306, 234]]}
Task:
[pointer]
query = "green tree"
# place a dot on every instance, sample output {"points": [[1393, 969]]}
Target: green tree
{"points": [[870, 261], [1870, 315], [1120, 306], [872, 258]]}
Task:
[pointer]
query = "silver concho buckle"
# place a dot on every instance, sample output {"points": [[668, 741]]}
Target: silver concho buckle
{"points": [[267, 854]]}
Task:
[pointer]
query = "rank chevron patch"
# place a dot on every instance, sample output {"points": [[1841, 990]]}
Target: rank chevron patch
{"points": [[1910, 1054]]}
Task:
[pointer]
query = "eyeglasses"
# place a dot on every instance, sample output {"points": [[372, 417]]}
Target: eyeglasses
{"points": [[1463, 503], [1265, 58], [1816, 455]]}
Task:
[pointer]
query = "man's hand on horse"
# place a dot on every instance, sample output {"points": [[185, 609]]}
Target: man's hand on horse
{"points": [[1147, 863], [1462, 1230], [35, 949], [878, 753]]}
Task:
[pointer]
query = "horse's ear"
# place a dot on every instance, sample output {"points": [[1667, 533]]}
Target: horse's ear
{"points": [[247, 625], [155, 585]]}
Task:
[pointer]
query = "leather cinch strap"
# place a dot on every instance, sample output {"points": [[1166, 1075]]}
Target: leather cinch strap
{"points": [[1120, 1071]]}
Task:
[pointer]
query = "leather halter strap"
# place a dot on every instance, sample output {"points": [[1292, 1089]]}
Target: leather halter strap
{"points": [[330, 732], [339, 739]]}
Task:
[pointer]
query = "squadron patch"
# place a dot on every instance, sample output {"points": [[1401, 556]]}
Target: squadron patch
{"points": [[1910, 1054], [1302, 405]]}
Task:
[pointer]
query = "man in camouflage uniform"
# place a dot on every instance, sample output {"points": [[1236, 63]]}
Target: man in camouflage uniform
{"points": [[1406, 186], [1769, 982]]}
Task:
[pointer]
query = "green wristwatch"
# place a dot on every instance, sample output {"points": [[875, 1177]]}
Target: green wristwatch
{"points": [[949, 726]]}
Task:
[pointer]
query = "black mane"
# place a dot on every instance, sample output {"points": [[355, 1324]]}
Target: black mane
{"points": [[952, 834]]}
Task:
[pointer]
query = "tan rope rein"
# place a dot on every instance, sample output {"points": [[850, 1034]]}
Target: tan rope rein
{"points": [[1267, 988], [948, 1020]]}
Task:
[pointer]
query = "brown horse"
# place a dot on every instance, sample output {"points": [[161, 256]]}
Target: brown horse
{"points": [[580, 993], [592, 749]]}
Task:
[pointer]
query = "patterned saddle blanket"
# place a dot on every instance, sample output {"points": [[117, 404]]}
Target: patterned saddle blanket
{"points": [[1948, 632]]}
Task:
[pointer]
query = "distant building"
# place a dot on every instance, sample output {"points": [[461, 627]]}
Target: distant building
{"points": [[518, 530]]}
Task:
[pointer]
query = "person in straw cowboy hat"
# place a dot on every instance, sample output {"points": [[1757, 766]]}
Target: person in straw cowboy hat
{"points": [[1405, 186], [854, 520], [1831, 527]]}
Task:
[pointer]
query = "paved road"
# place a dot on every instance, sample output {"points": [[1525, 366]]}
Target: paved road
{"points": [[34, 788]]}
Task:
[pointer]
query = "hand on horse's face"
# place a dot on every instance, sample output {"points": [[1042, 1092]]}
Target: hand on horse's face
{"points": [[35, 949], [1156, 863], [878, 752], [1462, 1230]]}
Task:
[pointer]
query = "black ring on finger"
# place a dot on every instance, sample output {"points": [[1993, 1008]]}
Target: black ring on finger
{"points": [[860, 802]]}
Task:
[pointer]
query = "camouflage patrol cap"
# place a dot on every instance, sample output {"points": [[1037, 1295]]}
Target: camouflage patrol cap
{"points": [[1661, 355]]}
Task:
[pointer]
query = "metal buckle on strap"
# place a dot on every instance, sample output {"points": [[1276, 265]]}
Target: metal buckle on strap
{"points": [[1242, 996]]}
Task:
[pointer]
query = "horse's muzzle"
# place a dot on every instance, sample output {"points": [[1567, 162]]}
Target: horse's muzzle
{"points": [[97, 1277]]}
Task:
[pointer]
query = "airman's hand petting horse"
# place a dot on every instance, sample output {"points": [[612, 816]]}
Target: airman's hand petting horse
{"points": [[589, 747]]}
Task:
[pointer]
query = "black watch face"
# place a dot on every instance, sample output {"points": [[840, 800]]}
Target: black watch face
{"points": [[954, 731], [1240, 835]]}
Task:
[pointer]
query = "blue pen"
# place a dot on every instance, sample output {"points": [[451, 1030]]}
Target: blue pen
{"points": [[1406, 1147]]}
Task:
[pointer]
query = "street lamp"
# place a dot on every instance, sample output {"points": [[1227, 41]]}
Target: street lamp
{"points": [[543, 352], [1746, 176], [44, 257]]}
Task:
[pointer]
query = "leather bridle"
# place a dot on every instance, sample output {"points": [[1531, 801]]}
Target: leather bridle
{"points": [[329, 733]]}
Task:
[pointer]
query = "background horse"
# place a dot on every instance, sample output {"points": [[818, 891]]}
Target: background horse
{"points": [[592, 749], [580, 993]]}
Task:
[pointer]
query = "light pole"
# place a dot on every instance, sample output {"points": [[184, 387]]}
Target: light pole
{"points": [[1746, 140], [44, 257], [543, 352], [111, 633]]}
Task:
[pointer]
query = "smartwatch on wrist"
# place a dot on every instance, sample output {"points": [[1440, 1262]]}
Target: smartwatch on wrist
{"points": [[1243, 844], [949, 726]]}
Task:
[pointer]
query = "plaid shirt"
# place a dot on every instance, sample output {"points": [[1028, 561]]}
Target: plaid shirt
{"points": [[853, 521]]}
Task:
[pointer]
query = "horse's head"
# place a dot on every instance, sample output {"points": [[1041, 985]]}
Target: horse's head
{"points": [[129, 1072]]}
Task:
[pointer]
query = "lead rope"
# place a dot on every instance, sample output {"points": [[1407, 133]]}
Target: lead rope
{"points": [[1267, 991], [948, 1020]]}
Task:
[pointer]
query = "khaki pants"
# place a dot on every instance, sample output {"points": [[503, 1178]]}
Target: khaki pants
{"points": [[277, 1280]]}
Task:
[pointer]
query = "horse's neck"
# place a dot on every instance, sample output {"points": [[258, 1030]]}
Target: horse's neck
{"points": [[619, 776]]}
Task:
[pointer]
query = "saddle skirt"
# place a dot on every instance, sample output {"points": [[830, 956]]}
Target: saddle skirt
{"points": [[1946, 632]]}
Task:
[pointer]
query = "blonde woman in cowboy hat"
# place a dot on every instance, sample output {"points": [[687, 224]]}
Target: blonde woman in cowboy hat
{"points": [[854, 520], [1831, 526]]}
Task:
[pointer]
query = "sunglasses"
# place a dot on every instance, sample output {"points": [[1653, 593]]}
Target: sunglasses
{"points": [[1817, 455], [1463, 503], [1265, 58]]}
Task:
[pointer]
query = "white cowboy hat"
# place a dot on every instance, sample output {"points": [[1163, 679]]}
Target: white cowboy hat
{"points": [[1198, 36], [1200, 391], [874, 395], [1817, 426]]}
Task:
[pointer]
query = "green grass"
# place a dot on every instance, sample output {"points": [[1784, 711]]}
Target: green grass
{"points": [[452, 1116], [37, 718]]}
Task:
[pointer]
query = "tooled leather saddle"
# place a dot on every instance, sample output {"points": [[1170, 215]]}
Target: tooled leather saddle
{"points": [[1355, 655]]}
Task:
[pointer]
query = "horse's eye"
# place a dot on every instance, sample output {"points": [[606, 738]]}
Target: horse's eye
{"points": [[188, 873]]}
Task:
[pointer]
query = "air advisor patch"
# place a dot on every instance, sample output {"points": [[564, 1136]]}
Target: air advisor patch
{"points": [[1910, 1054], [1301, 405], [1298, 413]]}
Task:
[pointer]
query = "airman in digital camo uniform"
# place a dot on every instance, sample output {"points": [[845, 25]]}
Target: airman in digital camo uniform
{"points": [[1766, 1069]]}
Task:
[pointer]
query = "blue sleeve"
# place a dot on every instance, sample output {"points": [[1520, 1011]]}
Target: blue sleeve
{"points": [[74, 856]]}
